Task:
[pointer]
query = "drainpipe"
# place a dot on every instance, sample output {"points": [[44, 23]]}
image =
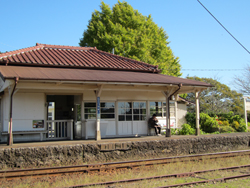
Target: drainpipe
{"points": [[168, 130], [10, 136]]}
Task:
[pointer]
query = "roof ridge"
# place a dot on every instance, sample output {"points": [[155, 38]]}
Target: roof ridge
{"points": [[38, 45], [66, 47], [126, 58], [21, 50]]}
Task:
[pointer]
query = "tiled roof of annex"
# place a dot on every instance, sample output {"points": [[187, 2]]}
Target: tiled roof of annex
{"points": [[72, 56]]}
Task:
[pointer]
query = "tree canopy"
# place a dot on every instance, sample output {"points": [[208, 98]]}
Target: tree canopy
{"points": [[131, 35], [218, 99], [242, 82]]}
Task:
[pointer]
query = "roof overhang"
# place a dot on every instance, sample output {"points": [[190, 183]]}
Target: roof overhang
{"points": [[114, 79]]}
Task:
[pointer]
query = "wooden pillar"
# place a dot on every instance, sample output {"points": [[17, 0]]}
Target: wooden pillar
{"points": [[245, 111], [98, 116], [167, 95], [168, 130], [197, 110]]}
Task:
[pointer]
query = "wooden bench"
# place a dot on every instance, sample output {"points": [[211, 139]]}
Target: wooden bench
{"points": [[41, 132]]}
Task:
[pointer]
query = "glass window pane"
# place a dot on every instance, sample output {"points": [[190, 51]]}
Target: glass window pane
{"points": [[158, 114], [128, 111], [107, 110], [142, 104], [121, 111], [128, 117], [121, 105], [136, 111], [136, 117], [89, 104], [121, 118], [143, 117], [128, 104], [136, 104], [152, 104], [108, 104], [107, 116], [89, 110], [142, 111], [90, 116]]}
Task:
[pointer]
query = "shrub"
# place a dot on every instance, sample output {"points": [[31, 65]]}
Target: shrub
{"points": [[236, 118], [225, 123], [174, 131], [235, 125], [191, 119], [226, 129], [208, 124], [186, 130], [242, 128]]}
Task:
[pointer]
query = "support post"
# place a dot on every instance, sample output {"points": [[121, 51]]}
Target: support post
{"points": [[245, 111], [168, 95], [168, 130], [98, 116], [10, 135], [197, 110]]}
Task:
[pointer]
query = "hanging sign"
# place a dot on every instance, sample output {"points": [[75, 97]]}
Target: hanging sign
{"points": [[247, 105], [98, 108]]}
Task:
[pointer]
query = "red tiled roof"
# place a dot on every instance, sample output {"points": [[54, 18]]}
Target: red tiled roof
{"points": [[66, 74], [71, 56]]}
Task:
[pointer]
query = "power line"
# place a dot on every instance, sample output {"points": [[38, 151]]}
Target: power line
{"points": [[212, 69], [223, 26]]}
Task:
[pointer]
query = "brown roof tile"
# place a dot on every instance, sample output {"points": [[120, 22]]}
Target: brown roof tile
{"points": [[73, 56]]}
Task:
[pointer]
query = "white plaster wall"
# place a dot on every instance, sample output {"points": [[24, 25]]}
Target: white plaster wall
{"points": [[124, 95], [181, 113], [26, 108]]}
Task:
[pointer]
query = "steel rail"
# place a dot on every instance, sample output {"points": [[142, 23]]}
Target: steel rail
{"points": [[180, 175], [101, 167]]}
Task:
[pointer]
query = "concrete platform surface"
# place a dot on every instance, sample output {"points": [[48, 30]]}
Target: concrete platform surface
{"points": [[114, 140]]}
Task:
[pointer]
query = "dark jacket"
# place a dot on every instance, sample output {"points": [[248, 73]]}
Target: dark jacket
{"points": [[152, 122]]}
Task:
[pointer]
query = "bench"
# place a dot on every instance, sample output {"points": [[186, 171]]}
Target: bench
{"points": [[41, 132]]}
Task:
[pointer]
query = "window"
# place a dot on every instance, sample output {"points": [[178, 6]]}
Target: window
{"points": [[131, 111], [139, 111], [159, 108], [107, 110], [90, 110]]}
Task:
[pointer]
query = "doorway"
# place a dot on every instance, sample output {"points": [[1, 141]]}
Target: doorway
{"points": [[64, 107]]}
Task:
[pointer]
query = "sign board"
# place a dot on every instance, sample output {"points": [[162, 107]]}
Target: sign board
{"points": [[98, 109], [247, 105], [38, 124]]}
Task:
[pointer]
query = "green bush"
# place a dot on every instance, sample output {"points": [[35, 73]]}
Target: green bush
{"points": [[235, 125], [174, 131], [225, 123], [191, 119], [226, 129], [242, 128], [186, 129], [208, 124]]}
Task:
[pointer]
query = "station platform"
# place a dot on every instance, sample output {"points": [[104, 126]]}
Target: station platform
{"points": [[114, 140], [83, 151]]}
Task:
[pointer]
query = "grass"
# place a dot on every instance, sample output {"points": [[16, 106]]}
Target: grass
{"points": [[157, 170]]}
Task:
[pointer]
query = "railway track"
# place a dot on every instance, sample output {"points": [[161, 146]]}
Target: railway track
{"points": [[180, 175], [102, 167]]}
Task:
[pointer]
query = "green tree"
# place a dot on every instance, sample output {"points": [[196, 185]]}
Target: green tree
{"points": [[218, 99], [131, 35]]}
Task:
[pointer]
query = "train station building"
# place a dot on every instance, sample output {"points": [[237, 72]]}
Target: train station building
{"points": [[52, 92]]}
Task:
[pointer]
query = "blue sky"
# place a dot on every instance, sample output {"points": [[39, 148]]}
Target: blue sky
{"points": [[196, 38]]}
